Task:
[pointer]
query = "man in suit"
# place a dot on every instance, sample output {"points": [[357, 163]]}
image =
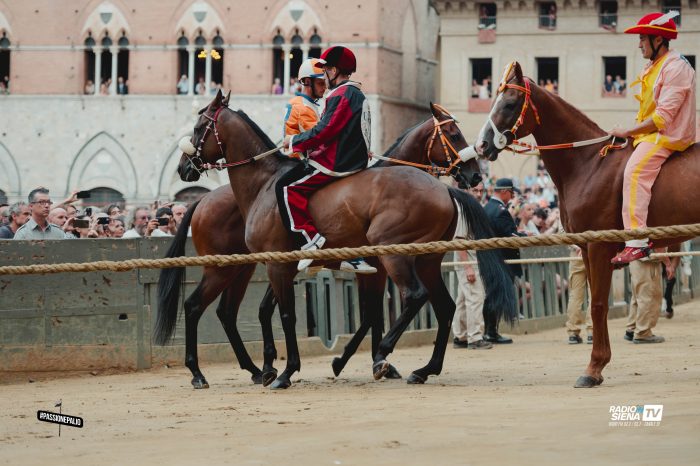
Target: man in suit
{"points": [[503, 225]]}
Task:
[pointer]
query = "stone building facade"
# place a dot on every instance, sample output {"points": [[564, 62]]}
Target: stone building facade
{"points": [[573, 44], [58, 131]]}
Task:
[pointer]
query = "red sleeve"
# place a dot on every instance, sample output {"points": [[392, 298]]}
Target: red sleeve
{"points": [[335, 117]]}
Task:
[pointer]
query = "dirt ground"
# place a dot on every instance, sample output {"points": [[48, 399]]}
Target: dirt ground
{"points": [[511, 405]]}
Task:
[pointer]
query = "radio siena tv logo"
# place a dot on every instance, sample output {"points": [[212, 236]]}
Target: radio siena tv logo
{"points": [[636, 415]]}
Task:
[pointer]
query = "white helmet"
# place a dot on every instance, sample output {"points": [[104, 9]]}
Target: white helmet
{"points": [[311, 68]]}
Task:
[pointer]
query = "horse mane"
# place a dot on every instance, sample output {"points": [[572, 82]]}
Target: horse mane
{"points": [[258, 131], [397, 143], [573, 111]]}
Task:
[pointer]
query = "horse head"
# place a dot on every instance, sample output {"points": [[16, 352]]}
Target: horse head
{"points": [[508, 117], [201, 149], [449, 149]]}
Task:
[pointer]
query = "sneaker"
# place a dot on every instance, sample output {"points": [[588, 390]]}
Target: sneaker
{"points": [[575, 340], [357, 266], [316, 243], [629, 335], [457, 343], [480, 344], [651, 339], [631, 254], [589, 340]]}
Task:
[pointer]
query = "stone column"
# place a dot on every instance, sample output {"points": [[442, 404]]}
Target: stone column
{"points": [[207, 69], [113, 86], [304, 51], [190, 70], [98, 68], [286, 48]]}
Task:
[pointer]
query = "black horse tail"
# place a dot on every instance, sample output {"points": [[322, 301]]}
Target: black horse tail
{"points": [[170, 282], [498, 281]]}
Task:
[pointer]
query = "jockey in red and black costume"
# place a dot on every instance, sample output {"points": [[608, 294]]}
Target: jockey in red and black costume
{"points": [[337, 146]]}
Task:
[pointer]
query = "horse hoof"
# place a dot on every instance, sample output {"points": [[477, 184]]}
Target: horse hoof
{"points": [[380, 368], [415, 379], [268, 377], [392, 373], [337, 366], [281, 384], [199, 383], [587, 381], [257, 378]]}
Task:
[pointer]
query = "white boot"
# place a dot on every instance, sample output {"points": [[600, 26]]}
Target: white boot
{"points": [[316, 243], [357, 266]]}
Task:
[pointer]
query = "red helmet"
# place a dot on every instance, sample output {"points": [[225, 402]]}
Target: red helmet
{"points": [[340, 57], [656, 24]]}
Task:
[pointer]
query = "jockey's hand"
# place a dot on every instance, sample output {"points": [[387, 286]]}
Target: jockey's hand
{"points": [[286, 143], [620, 132]]}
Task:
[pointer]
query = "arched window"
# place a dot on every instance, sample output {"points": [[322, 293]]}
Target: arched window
{"points": [[296, 56], [89, 87], [102, 197], [4, 64], [278, 61], [190, 195], [200, 63], [122, 62], [315, 49], [106, 68], [217, 60]]}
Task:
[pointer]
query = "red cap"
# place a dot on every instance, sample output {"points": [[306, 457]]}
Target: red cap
{"points": [[656, 24], [340, 57]]}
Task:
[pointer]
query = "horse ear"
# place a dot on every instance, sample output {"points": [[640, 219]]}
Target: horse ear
{"points": [[226, 99], [217, 101], [434, 110], [518, 72]]}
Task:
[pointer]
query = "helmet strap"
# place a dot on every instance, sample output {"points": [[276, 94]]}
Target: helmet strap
{"points": [[654, 50], [331, 83]]}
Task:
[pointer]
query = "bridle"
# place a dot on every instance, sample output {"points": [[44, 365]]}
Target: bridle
{"points": [[452, 156], [501, 139]]}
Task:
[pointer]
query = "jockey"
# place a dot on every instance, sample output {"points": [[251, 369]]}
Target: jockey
{"points": [[338, 146], [665, 123], [303, 109]]}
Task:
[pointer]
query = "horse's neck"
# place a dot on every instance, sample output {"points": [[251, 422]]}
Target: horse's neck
{"points": [[410, 148]]}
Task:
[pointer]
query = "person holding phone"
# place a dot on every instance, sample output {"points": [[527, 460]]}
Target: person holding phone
{"points": [[166, 223], [142, 224]]}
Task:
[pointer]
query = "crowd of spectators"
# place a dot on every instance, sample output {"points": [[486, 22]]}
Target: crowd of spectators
{"points": [[200, 88], [41, 218], [5, 86], [121, 88], [614, 88], [483, 90]]}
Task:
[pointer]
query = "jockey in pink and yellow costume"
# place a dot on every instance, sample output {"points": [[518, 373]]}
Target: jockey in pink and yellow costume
{"points": [[665, 123]]}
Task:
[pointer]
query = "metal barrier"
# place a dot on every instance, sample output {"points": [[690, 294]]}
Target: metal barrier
{"points": [[79, 321]]}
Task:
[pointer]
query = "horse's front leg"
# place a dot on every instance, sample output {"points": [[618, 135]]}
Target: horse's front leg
{"points": [[282, 281], [599, 270]]}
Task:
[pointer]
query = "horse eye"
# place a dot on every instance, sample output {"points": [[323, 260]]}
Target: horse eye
{"points": [[510, 106], [454, 137]]}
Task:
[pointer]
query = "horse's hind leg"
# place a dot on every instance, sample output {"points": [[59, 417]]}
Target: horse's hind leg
{"points": [[413, 297], [444, 309], [227, 312], [267, 308], [194, 308]]}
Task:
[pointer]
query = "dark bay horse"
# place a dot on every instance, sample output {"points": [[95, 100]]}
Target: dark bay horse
{"points": [[590, 186], [385, 205], [219, 228]]}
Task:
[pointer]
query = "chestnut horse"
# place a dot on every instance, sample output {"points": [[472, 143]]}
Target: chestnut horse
{"points": [[385, 205], [218, 228], [590, 186]]}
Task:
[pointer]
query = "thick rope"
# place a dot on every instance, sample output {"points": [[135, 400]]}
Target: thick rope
{"points": [[413, 249], [554, 260]]}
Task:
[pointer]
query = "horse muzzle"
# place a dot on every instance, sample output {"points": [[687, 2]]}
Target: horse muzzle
{"points": [[467, 154]]}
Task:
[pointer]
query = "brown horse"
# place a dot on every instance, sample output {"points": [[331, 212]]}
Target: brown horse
{"points": [[590, 186], [218, 228], [385, 205]]}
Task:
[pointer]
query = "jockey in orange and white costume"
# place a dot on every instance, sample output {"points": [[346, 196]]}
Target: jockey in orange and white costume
{"points": [[665, 123], [303, 110]]}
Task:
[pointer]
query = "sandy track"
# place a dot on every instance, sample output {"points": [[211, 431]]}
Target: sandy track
{"points": [[510, 405]]}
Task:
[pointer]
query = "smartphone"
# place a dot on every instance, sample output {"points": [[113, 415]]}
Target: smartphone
{"points": [[88, 211], [163, 221], [83, 194], [81, 223], [103, 221]]}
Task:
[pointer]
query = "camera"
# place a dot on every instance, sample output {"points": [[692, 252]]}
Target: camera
{"points": [[83, 194], [163, 221], [81, 223], [103, 221]]}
